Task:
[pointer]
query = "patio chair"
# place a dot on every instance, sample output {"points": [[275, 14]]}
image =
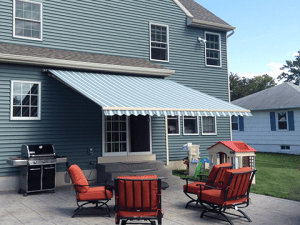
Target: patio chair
{"points": [[233, 194], [138, 198], [214, 179], [89, 195]]}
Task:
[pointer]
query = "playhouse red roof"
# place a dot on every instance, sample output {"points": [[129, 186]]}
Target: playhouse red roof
{"points": [[237, 146]]}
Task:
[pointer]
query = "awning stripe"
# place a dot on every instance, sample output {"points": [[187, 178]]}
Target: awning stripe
{"points": [[132, 95]]}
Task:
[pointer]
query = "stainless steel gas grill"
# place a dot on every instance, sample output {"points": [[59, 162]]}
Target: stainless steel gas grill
{"points": [[37, 168]]}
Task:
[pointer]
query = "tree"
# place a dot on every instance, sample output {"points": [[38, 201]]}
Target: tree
{"points": [[293, 73], [241, 86]]}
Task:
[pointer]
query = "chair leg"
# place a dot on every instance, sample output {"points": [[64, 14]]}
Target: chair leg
{"points": [[245, 215], [159, 221]]}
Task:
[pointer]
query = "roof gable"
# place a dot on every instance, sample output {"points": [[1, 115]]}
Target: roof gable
{"points": [[283, 96], [201, 17]]}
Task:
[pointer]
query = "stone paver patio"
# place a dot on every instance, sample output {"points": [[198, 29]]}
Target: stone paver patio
{"points": [[57, 208]]}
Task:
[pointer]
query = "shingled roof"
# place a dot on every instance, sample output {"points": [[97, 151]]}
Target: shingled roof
{"points": [[80, 60], [201, 17], [283, 96]]}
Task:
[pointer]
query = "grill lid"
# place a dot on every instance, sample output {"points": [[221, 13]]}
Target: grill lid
{"points": [[30, 151]]}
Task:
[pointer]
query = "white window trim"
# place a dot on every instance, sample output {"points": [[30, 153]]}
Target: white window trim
{"points": [[197, 117], [127, 153], [206, 32], [238, 123], [287, 121], [215, 126], [167, 42], [14, 21], [12, 98], [178, 119]]}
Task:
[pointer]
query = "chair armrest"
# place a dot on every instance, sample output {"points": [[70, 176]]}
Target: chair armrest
{"points": [[193, 179], [203, 176]]}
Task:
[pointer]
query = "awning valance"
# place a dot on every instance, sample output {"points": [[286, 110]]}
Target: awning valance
{"points": [[132, 95]]}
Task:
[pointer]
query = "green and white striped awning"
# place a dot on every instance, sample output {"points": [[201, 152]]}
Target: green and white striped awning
{"points": [[131, 95]]}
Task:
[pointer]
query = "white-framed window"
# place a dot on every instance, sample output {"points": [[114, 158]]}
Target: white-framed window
{"points": [[159, 42], [27, 19], [25, 100], [209, 125], [282, 120], [235, 123], [213, 49], [115, 136], [190, 125], [173, 125]]}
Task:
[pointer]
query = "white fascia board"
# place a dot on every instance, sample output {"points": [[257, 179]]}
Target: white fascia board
{"points": [[208, 25], [40, 61], [183, 8]]}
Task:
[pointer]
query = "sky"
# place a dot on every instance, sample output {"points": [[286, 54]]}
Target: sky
{"points": [[267, 33]]}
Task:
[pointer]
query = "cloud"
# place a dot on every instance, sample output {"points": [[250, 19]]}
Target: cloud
{"points": [[274, 71]]}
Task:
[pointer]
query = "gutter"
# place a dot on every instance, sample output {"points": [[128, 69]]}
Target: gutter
{"points": [[40, 61], [209, 25], [276, 108]]}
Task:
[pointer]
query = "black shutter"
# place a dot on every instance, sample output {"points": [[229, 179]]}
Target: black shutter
{"points": [[273, 121], [291, 120], [241, 123]]}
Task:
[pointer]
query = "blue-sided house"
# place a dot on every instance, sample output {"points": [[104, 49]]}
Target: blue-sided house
{"points": [[107, 81], [274, 126]]}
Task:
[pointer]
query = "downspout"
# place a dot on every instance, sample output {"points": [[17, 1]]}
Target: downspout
{"points": [[228, 79], [167, 140]]}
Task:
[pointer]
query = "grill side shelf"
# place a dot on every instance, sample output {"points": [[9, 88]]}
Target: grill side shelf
{"points": [[16, 161]]}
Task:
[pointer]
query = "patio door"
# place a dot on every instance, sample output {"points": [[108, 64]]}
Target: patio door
{"points": [[126, 135]]}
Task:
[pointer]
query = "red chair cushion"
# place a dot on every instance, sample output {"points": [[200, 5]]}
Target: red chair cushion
{"points": [[95, 193], [217, 197], [78, 178], [194, 187], [214, 171], [135, 190], [242, 181], [138, 214]]}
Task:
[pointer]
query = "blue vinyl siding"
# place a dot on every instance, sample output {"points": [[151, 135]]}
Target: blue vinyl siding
{"points": [[73, 123], [69, 121]]}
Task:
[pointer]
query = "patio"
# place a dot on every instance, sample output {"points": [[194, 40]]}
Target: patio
{"points": [[57, 208]]}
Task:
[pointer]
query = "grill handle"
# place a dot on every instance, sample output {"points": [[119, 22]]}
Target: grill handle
{"points": [[35, 169], [49, 168]]}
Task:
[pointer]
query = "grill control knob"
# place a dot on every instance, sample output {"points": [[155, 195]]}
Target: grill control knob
{"points": [[34, 162], [43, 161]]}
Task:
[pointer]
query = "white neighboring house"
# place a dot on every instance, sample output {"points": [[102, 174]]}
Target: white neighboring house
{"points": [[275, 124]]}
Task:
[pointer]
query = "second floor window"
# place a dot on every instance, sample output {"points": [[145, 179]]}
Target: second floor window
{"points": [[28, 20], [213, 49], [159, 42]]}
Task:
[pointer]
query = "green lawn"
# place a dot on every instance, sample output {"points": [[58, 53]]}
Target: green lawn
{"points": [[277, 175]]}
